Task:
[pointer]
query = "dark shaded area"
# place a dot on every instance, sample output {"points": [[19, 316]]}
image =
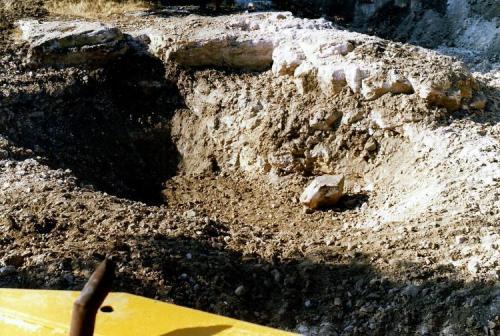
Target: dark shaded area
{"points": [[333, 288], [352, 201], [386, 19], [339, 10], [201, 331], [109, 126], [347, 202]]}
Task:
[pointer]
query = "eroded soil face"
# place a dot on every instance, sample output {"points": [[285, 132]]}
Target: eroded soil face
{"points": [[190, 178]]}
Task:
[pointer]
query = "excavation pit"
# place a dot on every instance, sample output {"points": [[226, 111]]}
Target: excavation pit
{"points": [[190, 176]]}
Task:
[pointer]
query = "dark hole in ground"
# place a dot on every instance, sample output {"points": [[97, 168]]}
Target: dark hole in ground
{"points": [[348, 202], [111, 129], [336, 287], [352, 201]]}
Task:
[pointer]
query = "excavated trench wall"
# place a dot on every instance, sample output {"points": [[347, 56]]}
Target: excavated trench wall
{"points": [[266, 94], [328, 99], [108, 126]]}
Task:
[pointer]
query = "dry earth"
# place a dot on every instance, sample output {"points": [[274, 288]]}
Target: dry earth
{"points": [[189, 177]]}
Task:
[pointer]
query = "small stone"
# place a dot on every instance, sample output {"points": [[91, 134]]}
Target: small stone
{"points": [[410, 291], [190, 214], [352, 116], [492, 324], [240, 290], [307, 211], [324, 190], [460, 239], [337, 302], [324, 118], [371, 145], [307, 303], [473, 265]]}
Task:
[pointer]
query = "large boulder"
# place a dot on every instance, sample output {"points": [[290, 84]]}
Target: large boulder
{"points": [[323, 191], [72, 43]]}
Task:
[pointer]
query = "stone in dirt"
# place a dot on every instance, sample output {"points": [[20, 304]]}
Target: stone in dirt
{"points": [[324, 190], [71, 43]]}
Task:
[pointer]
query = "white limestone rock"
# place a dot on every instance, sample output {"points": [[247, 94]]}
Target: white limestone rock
{"points": [[317, 55], [72, 43], [324, 190], [375, 86], [287, 60], [245, 54], [305, 77], [354, 76], [331, 78]]}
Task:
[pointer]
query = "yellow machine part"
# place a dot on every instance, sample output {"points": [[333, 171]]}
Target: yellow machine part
{"points": [[43, 312]]}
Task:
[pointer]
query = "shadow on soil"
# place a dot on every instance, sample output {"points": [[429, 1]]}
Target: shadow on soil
{"points": [[328, 291], [110, 127]]}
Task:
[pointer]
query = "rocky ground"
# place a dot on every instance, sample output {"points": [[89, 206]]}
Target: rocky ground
{"points": [[190, 176]]}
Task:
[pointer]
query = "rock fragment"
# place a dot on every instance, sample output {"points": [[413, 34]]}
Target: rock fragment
{"points": [[72, 43], [371, 145], [323, 118], [324, 190], [240, 290]]}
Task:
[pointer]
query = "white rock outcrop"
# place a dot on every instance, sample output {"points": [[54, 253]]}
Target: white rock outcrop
{"points": [[72, 43], [317, 55], [324, 190]]}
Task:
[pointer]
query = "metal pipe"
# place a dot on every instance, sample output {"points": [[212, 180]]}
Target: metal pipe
{"points": [[91, 298]]}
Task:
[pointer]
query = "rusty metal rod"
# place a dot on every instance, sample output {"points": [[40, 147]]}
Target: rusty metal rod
{"points": [[91, 298]]}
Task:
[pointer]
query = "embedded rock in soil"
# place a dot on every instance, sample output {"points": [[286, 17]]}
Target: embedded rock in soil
{"points": [[323, 191], [228, 51], [70, 43], [316, 55]]}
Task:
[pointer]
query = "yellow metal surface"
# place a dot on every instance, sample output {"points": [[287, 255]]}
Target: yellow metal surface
{"points": [[39, 312]]}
